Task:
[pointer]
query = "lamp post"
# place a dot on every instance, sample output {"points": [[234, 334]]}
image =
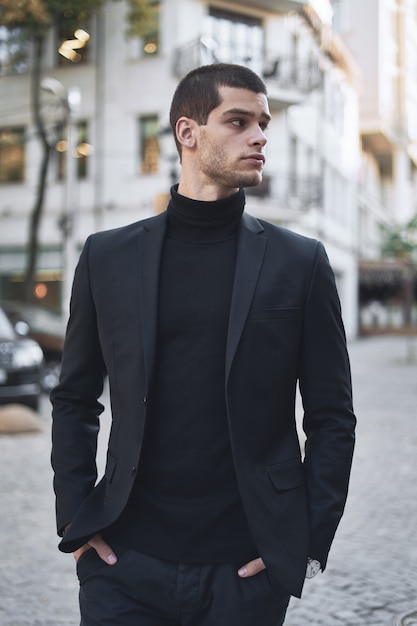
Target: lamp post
{"points": [[70, 99]]}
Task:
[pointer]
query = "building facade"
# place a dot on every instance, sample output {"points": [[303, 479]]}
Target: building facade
{"points": [[382, 36], [123, 158]]}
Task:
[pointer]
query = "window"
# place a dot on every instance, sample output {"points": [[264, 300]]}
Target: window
{"points": [[83, 149], [293, 160], [341, 16], [12, 155], [150, 40], [14, 51], [82, 153], [294, 57], [236, 38], [149, 144]]}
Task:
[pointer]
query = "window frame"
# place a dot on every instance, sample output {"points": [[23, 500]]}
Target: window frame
{"points": [[149, 145], [19, 144]]}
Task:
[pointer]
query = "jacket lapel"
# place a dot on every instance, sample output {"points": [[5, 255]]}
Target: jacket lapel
{"points": [[250, 253], [151, 240]]}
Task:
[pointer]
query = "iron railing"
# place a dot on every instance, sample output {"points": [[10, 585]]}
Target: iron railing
{"points": [[290, 72], [290, 190], [286, 72]]}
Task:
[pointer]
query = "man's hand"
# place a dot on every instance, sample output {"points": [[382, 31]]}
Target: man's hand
{"points": [[252, 568], [101, 547]]}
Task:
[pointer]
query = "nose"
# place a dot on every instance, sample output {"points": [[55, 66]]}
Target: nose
{"points": [[259, 138]]}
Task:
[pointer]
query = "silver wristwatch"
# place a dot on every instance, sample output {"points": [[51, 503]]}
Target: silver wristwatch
{"points": [[313, 567]]}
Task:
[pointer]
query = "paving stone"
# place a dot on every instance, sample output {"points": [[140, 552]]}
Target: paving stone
{"points": [[371, 575], [375, 547]]}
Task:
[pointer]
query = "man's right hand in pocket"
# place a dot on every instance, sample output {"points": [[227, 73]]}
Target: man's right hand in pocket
{"points": [[101, 547]]}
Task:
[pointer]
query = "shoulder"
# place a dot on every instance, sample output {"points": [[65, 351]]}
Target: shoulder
{"points": [[122, 235], [283, 238]]}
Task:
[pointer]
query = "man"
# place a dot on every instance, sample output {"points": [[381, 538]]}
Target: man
{"points": [[204, 319]]}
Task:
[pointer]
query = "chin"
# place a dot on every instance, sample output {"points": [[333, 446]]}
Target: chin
{"points": [[251, 182]]}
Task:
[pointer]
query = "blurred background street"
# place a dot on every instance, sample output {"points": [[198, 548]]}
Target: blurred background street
{"points": [[85, 145], [371, 575]]}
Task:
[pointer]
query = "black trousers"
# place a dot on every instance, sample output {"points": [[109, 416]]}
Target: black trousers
{"points": [[144, 591]]}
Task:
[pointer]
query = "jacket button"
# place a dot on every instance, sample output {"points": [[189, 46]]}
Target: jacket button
{"points": [[133, 472], [145, 400]]}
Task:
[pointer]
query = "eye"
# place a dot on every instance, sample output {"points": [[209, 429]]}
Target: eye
{"points": [[238, 122]]}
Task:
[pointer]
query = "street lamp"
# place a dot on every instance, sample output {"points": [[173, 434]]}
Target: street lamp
{"points": [[70, 99], [68, 48]]}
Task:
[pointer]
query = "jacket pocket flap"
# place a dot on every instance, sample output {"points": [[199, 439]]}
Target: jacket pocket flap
{"points": [[287, 476], [288, 313]]}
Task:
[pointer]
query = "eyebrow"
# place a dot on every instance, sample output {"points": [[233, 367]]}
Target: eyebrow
{"points": [[237, 111]]}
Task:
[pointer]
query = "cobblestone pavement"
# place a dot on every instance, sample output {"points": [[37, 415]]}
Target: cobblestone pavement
{"points": [[371, 578]]}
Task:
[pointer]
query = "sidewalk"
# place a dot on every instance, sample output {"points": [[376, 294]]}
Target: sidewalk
{"points": [[371, 578], [407, 620]]}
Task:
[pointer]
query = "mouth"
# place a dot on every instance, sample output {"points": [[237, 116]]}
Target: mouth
{"points": [[256, 158]]}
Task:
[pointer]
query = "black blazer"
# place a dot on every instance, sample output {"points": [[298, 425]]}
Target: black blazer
{"points": [[285, 326]]}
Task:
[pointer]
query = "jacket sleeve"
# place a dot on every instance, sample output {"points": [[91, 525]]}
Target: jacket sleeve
{"points": [[329, 421], [76, 409]]}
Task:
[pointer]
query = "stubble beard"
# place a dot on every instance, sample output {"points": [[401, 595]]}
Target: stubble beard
{"points": [[217, 167]]}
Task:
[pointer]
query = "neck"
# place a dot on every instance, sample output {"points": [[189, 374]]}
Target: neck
{"points": [[206, 193], [204, 221]]}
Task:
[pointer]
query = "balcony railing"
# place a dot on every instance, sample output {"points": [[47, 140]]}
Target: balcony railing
{"points": [[292, 73], [302, 75], [276, 6], [301, 192], [201, 51]]}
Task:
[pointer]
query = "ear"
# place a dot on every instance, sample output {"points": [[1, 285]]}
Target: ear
{"points": [[185, 129]]}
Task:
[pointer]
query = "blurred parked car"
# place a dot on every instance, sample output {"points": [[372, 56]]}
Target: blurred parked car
{"points": [[44, 327], [21, 362]]}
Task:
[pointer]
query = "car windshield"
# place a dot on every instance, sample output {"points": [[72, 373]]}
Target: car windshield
{"points": [[39, 320], [6, 329]]}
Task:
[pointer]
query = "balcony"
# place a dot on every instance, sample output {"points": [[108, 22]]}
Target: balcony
{"points": [[291, 190], [378, 141], [201, 51], [288, 79], [276, 6]]}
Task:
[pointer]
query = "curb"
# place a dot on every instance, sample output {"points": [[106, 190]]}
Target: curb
{"points": [[409, 619]]}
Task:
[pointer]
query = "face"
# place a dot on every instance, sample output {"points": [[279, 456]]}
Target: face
{"points": [[230, 148]]}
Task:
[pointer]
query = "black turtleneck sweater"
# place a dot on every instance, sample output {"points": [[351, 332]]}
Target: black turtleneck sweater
{"points": [[185, 505]]}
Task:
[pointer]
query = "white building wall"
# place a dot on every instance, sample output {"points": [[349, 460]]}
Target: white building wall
{"points": [[383, 38], [123, 85]]}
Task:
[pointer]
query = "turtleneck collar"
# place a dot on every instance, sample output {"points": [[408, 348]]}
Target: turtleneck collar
{"points": [[200, 221]]}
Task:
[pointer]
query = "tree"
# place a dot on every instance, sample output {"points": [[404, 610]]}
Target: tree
{"points": [[33, 19], [400, 242]]}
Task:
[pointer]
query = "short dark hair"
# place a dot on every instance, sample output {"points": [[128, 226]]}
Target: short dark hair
{"points": [[197, 94]]}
